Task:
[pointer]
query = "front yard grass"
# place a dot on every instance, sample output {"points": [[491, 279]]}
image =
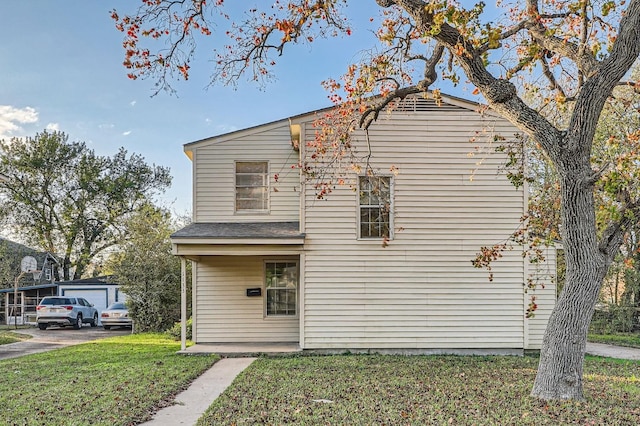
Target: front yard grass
{"points": [[115, 381], [441, 390], [123, 380]]}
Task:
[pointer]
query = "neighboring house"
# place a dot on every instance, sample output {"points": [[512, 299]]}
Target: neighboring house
{"points": [[11, 255], [273, 263], [99, 291]]}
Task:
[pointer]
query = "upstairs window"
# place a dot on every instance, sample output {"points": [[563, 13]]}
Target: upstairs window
{"points": [[252, 186], [375, 206]]}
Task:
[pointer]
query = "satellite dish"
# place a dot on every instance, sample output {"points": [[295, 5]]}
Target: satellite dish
{"points": [[28, 264]]}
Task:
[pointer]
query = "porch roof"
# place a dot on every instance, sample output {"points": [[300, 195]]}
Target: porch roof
{"points": [[28, 287], [238, 238], [243, 230]]}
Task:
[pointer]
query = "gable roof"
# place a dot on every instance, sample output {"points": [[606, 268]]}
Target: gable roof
{"points": [[445, 99], [13, 246], [22, 250]]}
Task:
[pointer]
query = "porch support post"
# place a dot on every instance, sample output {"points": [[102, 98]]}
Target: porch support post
{"points": [[183, 304]]}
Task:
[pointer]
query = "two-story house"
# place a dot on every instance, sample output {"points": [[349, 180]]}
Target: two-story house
{"points": [[383, 263], [11, 254]]}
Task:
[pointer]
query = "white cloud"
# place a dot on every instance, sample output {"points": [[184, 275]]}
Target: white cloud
{"points": [[54, 127], [127, 133], [11, 118], [106, 126]]}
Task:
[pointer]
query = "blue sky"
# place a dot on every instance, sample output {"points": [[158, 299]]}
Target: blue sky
{"points": [[62, 69]]}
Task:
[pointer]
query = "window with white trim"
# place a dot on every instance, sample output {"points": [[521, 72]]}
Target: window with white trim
{"points": [[374, 206], [281, 284], [252, 186]]}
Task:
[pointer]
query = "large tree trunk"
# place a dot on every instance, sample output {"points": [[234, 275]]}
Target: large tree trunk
{"points": [[563, 347]]}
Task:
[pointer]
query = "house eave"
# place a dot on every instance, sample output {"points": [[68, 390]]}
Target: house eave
{"points": [[238, 241], [196, 251]]}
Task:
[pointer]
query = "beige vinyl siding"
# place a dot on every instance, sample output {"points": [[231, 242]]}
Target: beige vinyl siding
{"points": [[546, 274], [224, 312], [420, 292], [214, 174]]}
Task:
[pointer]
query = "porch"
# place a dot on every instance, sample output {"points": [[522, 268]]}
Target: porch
{"points": [[245, 286]]}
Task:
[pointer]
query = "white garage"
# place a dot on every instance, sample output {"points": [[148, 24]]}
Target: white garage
{"points": [[97, 291]]}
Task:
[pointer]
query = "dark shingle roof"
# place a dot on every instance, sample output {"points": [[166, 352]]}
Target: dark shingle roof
{"points": [[249, 230]]}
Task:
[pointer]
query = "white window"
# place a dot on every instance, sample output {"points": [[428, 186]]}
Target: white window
{"points": [[375, 206], [252, 186], [281, 283]]}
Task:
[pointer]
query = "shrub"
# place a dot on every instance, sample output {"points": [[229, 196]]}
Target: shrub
{"points": [[614, 319], [175, 331]]}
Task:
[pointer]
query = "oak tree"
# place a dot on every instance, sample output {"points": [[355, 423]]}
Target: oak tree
{"points": [[614, 151], [62, 197], [571, 54]]}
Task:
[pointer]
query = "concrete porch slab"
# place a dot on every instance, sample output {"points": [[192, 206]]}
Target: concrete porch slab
{"points": [[238, 350]]}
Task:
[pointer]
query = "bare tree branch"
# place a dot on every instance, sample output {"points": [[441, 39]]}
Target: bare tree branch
{"points": [[500, 93], [430, 75], [552, 79]]}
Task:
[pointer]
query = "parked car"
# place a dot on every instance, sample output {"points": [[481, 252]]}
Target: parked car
{"points": [[63, 311], [116, 315]]}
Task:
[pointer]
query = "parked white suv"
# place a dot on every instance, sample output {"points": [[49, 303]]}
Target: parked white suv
{"points": [[63, 311]]}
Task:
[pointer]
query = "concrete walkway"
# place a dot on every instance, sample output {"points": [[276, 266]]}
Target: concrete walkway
{"points": [[190, 404]]}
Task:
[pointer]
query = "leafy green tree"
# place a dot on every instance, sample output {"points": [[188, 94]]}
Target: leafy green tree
{"points": [[147, 271], [571, 54], [63, 198]]}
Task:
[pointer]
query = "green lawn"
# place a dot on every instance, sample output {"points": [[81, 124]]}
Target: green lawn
{"points": [[443, 390], [114, 381], [7, 337], [122, 380], [631, 340]]}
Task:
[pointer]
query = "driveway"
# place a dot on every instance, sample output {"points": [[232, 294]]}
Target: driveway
{"points": [[611, 351], [55, 338]]}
